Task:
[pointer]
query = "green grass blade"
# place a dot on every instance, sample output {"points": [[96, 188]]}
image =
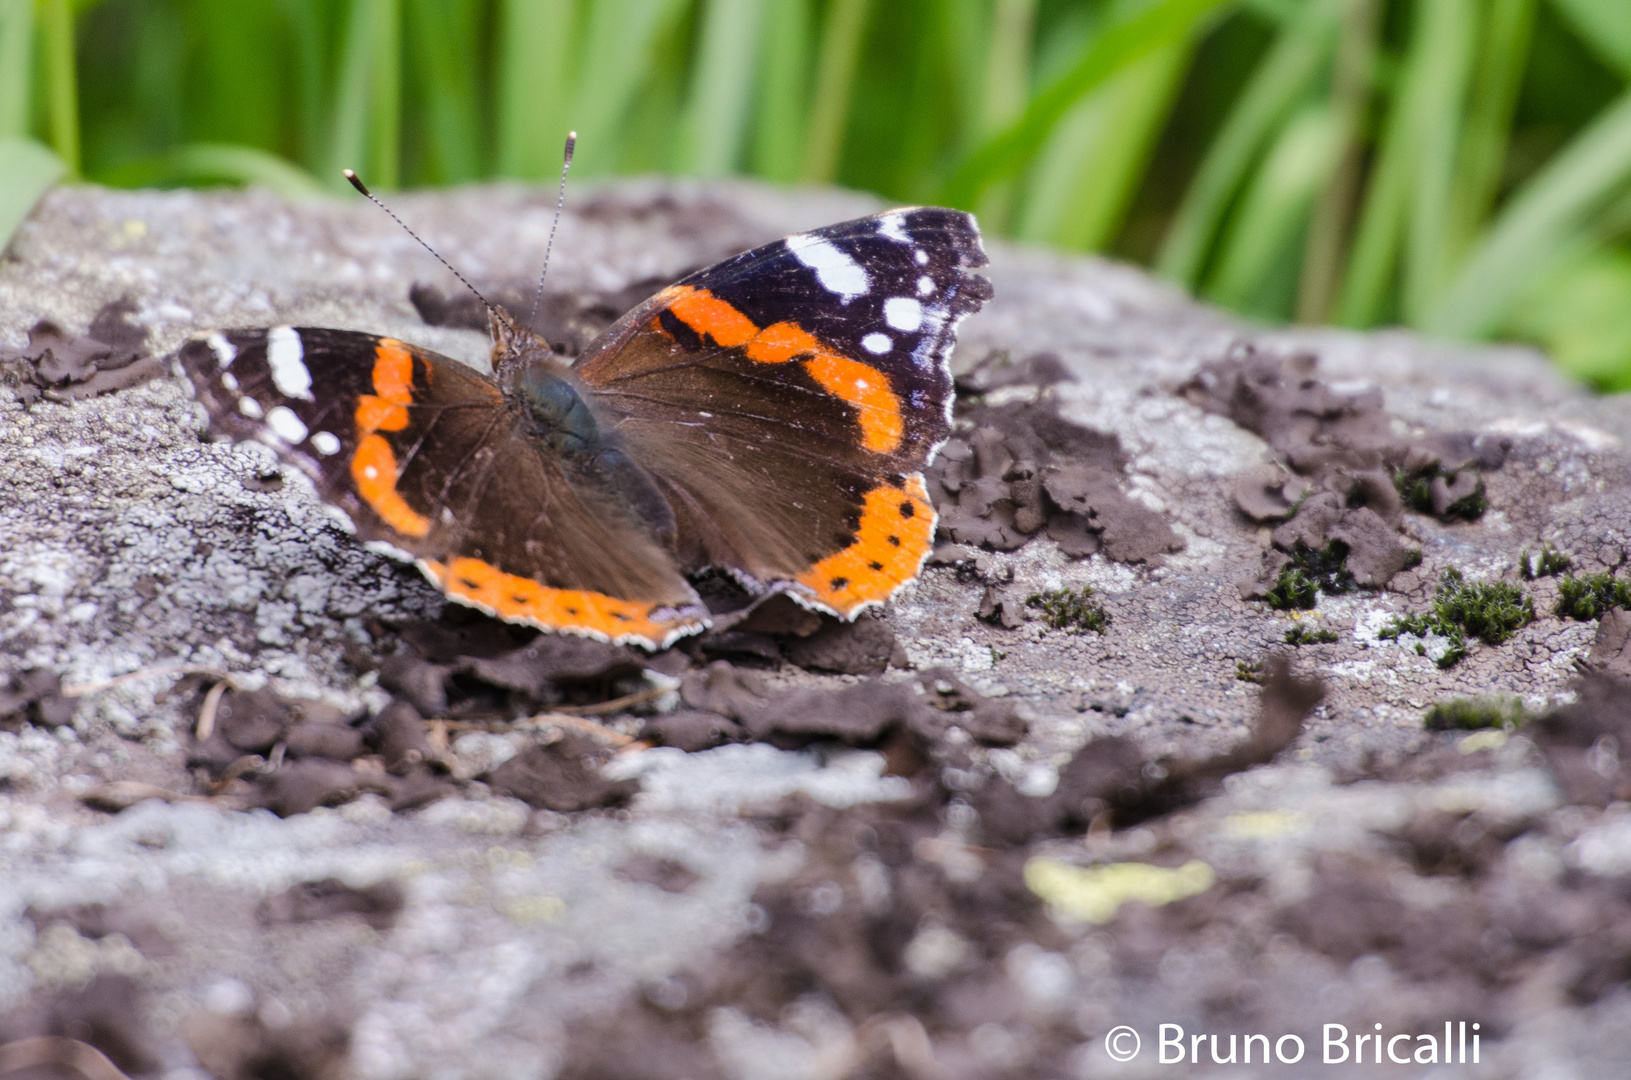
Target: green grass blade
{"points": [[1351, 78], [1007, 64], [1274, 210], [368, 110], [1580, 311], [1007, 85], [1436, 94], [1503, 56], [443, 37], [27, 170], [16, 66], [1388, 200], [961, 32], [647, 135], [61, 81], [1299, 53], [1538, 222], [310, 33], [618, 46], [537, 46], [1605, 25], [784, 65], [1163, 23], [834, 79], [204, 164], [1085, 176], [714, 126]]}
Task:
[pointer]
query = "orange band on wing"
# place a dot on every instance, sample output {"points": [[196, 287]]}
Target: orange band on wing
{"points": [[373, 470], [385, 409], [708, 315], [863, 386], [781, 342], [483, 585], [877, 407], [896, 531], [373, 467]]}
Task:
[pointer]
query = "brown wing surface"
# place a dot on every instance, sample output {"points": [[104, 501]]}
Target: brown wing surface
{"points": [[423, 456], [787, 399]]}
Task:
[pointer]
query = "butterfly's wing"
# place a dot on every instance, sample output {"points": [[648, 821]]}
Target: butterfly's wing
{"points": [[425, 459], [787, 400]]}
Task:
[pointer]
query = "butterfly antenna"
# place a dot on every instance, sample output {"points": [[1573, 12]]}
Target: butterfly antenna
{"points": [[356, 182], [560, 201]]}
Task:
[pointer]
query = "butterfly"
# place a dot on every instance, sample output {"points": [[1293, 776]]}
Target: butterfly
{"points": [[768, 417]]}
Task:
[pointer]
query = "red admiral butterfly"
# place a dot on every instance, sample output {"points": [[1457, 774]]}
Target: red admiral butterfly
{"points": [[769, 416]]}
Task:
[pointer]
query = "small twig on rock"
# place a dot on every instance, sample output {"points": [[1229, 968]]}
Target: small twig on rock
{"points": [[206, 715], [45, 1051], [615, 705], [578, 723]]}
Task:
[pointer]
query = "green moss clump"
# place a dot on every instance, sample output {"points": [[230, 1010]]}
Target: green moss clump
{"points": [[1249, 672], [1301, 635], [1548, 562], [1489, 611], [1308, 574], [1073, 610], [1474, 714], [1293, 590], [1588, 597], [1416, 491]]}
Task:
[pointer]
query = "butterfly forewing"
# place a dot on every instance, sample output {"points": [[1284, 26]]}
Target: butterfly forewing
{"points": [[789, 398], [424, 456]]}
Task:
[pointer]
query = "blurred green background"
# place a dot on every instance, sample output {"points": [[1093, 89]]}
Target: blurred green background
{"points": [[1458, 166]]}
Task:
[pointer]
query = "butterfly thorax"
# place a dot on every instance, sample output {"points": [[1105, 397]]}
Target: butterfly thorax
{"points": [[554, 410]]}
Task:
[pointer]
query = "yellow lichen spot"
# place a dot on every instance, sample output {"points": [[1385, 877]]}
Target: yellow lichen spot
{"points": [[535, 909], [1095, 893], [1482, 740], [1262, 824]]}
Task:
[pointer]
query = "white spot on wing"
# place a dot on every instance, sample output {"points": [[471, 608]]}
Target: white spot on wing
{"points": [[877, 343], [838, 273], [903, 313], [326, 443], [893, 227], [250, 408], [229, 381], [225, 352], [286, 424], [287, 358], [925, 285], [370, 472], [921, 256]]}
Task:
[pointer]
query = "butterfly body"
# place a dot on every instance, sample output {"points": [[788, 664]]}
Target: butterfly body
{"points": [[769, 416]]}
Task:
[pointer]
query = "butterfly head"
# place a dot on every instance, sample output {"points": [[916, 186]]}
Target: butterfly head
{"points": [[516, 348]]}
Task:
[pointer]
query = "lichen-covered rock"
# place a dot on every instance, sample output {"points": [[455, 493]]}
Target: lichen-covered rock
{"points": [[1113, 440]]}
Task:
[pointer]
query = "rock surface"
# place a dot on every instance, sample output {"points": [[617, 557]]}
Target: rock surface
{"points": [[852, 876]]}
